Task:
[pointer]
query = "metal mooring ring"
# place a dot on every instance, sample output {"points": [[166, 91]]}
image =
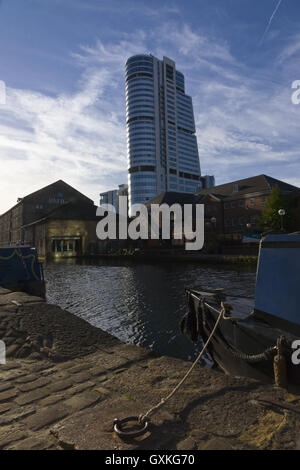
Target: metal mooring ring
{"points": [[119, 422]]}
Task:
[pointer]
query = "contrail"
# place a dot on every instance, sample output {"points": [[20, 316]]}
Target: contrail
{"points": [[270, 21]]}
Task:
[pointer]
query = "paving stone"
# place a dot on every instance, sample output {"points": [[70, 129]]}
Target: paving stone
{"points": [[5, 407], [103, 391], [82, 367], [14, 374], [32, 396], [8, 438], [8, 395], [60, 385], [15, 415], [33, 443], [10, 365], [187, 444], [39, 367], [80, 387], [26, 378], [99, 370], [65, 365], [51, 400], [81, 377], [47, 372], [46, 416], [59, 375], [79, 402], [34, 385], [5, 386]]}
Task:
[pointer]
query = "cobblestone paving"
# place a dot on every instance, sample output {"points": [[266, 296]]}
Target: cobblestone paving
{"points": [[47, 402], [34, 395]]}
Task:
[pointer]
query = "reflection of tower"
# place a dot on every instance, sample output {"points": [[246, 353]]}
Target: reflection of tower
{"points": [[162, 145]]}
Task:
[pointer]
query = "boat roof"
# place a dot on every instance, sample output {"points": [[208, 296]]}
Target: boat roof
{"points": [[282, 238]]}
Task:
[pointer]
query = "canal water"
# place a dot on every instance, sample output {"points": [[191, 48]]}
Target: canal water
{"points": [[139, 303]]}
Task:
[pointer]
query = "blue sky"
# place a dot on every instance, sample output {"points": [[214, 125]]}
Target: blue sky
{"points": [[62, 62]]}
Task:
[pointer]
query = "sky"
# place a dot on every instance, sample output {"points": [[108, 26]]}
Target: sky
{"points": [[63, 63]]}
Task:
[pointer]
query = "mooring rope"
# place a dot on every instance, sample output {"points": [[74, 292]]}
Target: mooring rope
{"points": [[266, 355], [163, 401]]}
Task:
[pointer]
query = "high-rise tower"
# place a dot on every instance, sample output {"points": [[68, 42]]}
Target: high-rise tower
{"points": [[161, 141]]}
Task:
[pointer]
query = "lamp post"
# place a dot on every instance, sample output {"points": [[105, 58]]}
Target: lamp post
{"points": [[281, 212]]}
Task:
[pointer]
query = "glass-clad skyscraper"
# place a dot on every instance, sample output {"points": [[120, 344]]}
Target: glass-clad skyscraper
{"points": [[161, 141]]}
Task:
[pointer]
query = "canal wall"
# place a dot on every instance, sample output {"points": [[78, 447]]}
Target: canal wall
{"points": [[166, 256], [65, 381]]}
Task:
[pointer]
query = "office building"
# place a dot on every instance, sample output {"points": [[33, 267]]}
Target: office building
{"points": [[112, 197], [161, 142]]}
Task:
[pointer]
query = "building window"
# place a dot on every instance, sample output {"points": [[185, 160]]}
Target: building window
{"points": [[241, 220], [232, 205], [263, 199], [226, 205], [60, 246], [39, 206], [169, 72], [252, 201], [233, 222], [242, 203], [236, 187]]}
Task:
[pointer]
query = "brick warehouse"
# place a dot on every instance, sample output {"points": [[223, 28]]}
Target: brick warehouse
{"points": [[57, 219], [235, 206], [231, 210]]}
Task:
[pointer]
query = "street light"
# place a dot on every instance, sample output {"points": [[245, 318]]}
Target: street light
{"points": [[281, 212]]}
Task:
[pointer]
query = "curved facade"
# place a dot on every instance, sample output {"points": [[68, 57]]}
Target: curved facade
{"points": [[161, 143]]}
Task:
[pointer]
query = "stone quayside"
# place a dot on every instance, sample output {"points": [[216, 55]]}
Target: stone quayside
{"points": [[65, 381]]}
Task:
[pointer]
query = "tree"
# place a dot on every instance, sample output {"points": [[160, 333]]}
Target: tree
{"points": [[270, 219]]}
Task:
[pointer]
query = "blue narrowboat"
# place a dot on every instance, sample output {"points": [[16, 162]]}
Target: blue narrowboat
{"points": [[20, 270], [253, 333]]}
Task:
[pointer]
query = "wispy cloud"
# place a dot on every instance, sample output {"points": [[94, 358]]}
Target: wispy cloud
{"points": [[79, 137], [270, 21], [244, 125]]}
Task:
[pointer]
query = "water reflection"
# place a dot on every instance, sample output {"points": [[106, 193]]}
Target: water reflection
{"points": [[139, 303]]}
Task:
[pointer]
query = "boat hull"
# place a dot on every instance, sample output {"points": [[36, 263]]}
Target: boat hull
{"points": [[20, 270], [237, 345]]}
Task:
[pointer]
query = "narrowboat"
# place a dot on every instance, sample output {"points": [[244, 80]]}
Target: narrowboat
{"points": [[251, 332], [20, 270]]}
